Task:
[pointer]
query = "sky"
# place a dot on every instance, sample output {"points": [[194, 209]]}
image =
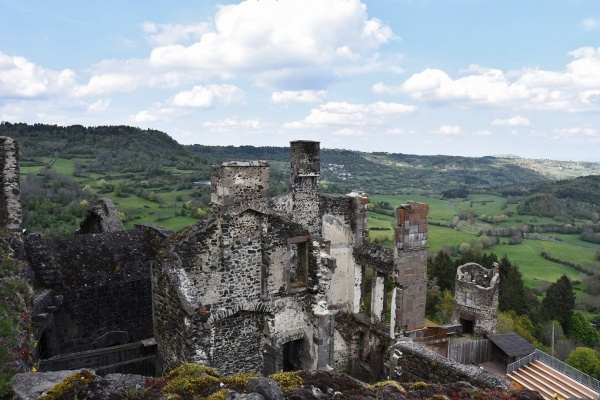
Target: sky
{"points": [[454, 77]]}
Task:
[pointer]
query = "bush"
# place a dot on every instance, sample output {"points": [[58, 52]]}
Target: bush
{"points": [[586, 360]]}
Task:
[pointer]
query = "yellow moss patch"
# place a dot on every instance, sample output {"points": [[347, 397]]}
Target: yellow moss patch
{"points": [[418, 385], [287, 380], [70, 386], [192, 371], [388, 383], [220, 395], [240, 380], [184, 385]]}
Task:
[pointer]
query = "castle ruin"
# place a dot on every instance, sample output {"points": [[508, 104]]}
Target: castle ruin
{"points": [[261, 285]]}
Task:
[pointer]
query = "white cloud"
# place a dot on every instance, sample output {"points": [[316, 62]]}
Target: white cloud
{"points": [[349, 132], [489, 86], [235, 127], [578, 133], [573, 89], [187, 101], [107, 83], [168, 34], [21, 78], [381, 88], [298, 96], [449, 130], [514, 121], [272, 35], [396, 131], [206, 96], [589, 24], [233, 122], [482, 133], [99, 106], [144, 116], [351, 114]]}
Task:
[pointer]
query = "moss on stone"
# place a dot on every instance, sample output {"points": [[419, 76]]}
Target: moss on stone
{"points": [[418, 385], [185, 385], [220, 395], [240, 380], [70, 386], [381, 384], [287, 381], [192, 371]]}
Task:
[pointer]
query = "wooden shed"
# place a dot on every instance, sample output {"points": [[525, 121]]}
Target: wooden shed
{"points": [[509, 347]]}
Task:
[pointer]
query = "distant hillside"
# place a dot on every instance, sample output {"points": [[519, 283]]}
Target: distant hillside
{"points": [[152, 178], [390, 173], [578, 197], [148, 175], [108, 148]]}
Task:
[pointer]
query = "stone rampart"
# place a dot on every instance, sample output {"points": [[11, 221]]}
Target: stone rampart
{"points": [[413, 362]]}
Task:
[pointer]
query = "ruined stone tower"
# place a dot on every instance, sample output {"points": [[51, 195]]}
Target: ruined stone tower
{"points": [[410, 268], [10, 196], [305, 167], [476, 298]]}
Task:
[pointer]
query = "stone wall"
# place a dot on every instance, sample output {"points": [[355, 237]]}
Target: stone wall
{"points": [[86, 315], [90, 285], [10, 193], [237, 343], [176, 324], [412, 362], [339, 219]]}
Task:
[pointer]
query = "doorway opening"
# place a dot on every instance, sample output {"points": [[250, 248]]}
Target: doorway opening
{"points": [[291, 355]]}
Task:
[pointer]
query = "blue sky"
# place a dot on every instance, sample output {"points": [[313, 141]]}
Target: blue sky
{"points": [[461, 77]]}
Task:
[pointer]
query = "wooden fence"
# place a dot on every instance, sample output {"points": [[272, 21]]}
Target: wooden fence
{"points": [[130, 358], [471, 352]]}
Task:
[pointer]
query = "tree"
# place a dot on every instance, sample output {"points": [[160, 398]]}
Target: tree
{"points": [[444, 310], [513, 295], [509, 321], [442, 270], [580, 328], [559, 301], [586, 360]]}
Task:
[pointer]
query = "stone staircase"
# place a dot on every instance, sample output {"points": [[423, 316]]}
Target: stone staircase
{"points": [[549, 382]]}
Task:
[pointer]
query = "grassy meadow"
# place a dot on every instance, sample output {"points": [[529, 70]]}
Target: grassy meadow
{"points": [[134, 209]]}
